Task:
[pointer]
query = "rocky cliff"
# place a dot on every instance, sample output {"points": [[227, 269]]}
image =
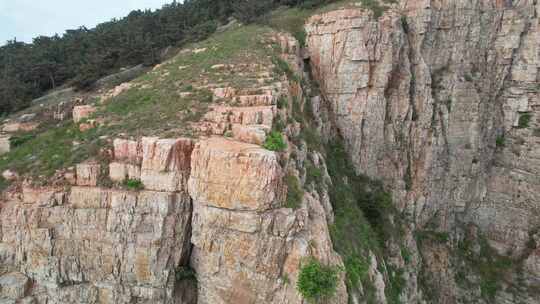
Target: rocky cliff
{"points": [[410, 164], [439, 99]]}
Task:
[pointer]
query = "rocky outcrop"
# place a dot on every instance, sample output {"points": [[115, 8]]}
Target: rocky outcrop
{"points": [[82, 112], [247, 248], [5, 144], [91, 244], [429, 98]]}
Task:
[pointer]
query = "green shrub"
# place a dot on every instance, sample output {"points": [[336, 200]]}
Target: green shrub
{"points": [[356, 268], [282, 67], [294, 192], [524, 120], [316, 281], [435, 236], [275, 142], [184, 273], [17, 141], [396, 286], [490, 266], [278, 124], [406, 255], [449, 104], [282, 102], [134, 184], [500, 141], [313, 173]]}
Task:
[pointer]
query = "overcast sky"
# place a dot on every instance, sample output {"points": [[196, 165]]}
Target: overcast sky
{"points": [[26, 19]]}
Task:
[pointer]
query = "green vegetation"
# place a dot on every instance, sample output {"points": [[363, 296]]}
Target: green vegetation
{"points": [[133, 184], [376, 7], [396, 286], [163, 101], [275, 142], [282, 67], [278, 124], [16, 141], [407, 178], [500, 141], [486, 263], [313, 173], [292, 21], [317, 282], [185, 273], [406, 255], [282, 102], [167, 99], [449, 104], [524, 120], [364, 220], [295, 194], [51, 148], [432, 235], [81, 56]]}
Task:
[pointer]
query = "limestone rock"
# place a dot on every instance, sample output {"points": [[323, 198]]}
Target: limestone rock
{"points": [[13, 286], [127, 150], [82, 112], [88, 174], [100, 246], [5, 144], [118, 172], [166, 163], [253, 134], [13, 127], [244, 246], [412, 95], [232, 175]]}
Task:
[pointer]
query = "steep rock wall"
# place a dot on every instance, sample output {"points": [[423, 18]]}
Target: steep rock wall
{"points": [[429, 99], [93, 245]]}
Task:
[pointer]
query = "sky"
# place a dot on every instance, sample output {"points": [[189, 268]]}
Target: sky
{"points": [[26, 19]]}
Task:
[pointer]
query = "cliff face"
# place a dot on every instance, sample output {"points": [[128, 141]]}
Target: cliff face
{"points": [[91, 244], [173, 220], [439, 99]]}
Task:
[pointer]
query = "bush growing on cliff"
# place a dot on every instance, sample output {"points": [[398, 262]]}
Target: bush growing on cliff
{"points": [[487, 263], [500, 141], [134, 184], [184, 273], [275, 142], [524, 120], [317, 281], [294, 192]]}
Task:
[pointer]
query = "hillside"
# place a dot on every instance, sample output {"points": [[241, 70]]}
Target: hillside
{"points": [[352, 152]]}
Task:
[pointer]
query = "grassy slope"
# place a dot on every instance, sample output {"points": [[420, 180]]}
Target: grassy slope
{"points": [[153, 106]]}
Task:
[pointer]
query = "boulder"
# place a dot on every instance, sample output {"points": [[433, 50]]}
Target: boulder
{"points": [[88, 174], [238, 176], [5, 144], [166, 163]]}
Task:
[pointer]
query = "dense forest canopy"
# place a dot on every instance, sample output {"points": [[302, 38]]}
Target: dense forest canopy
{"points": [[81, 56]]}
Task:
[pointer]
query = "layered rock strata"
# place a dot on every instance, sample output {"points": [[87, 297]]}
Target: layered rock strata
{"points": [[439, 99]]}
